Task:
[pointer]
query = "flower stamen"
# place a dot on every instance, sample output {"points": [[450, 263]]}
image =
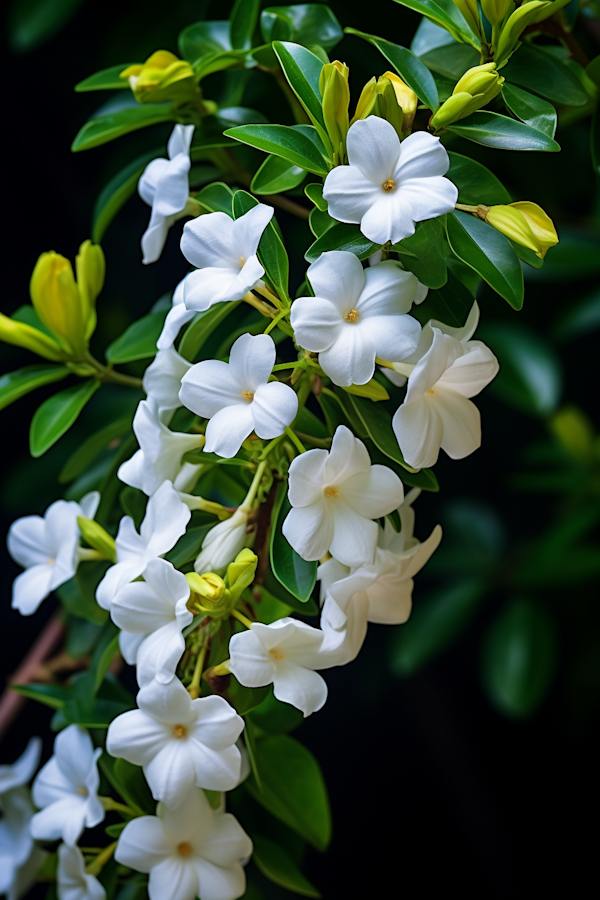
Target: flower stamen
{"points": [[388, 185], [351, 315], [184, 849], [331, 492], [247, 395], [180, 731]]}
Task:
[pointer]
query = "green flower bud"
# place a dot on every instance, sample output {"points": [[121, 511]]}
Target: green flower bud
{"points": [[30, 338], [98, 538], [517, 22], [387, 105], [367, 102], [470, 13], [495, 10], [335, 99], [475, 89], [161, 78], [241, 572], [209, 595], [526, 223], [90, 268], [406, 97]]}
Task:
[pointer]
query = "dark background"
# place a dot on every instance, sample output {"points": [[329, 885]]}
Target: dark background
{"points": [[431, 788]]}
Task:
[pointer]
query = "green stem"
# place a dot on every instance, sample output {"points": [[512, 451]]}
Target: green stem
{"points": [[297, 443], [194, 689], [270, 446], [104, 373], [275, 321], [111, 805], [241, 618], [247, 504], [96, 867], [317, 442]]}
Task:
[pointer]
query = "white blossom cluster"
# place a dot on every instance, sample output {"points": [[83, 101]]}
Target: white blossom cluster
{"points": [[356, 319]]}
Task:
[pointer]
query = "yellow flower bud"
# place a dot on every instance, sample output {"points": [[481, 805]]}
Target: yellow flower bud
{"points": [[64, 306], [406, 97], [162, 77], [22, 335], [526, 223], [387, 105], [209, 594], [335, 99], [524, 15], [97, 537], [475, 89], [367, 101], [241, 572], [470, 14], [495, 10], [373, 390]]}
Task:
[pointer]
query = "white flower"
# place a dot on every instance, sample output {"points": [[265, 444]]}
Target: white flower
{"points": [[164, 186], [72, 881], [180, 742], [334, 496], [66, 789], [389, 185], [284, 654], [223, 251], [177, 316], [48, 549], [164, 523], [20, 772], [159, 457], [437, 412], [19, 857], [380, 593], [237, 396], [191, 852], [162, 381], [155, 611], [223, 543], [356, 315]]}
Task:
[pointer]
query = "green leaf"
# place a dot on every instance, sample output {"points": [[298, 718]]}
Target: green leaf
{"points": [[342, 237], [286, 141], [276, 175], [475, 183], [105, 80], [188, 546], [408, 66], [530, 377], [14, 385], [271, 252], [534, 69], [489, 253], [450, 304], [277, 865], [273, 716], [302, 69], [204, 39], [519, 658], [133, 786], [78, 594], [320, 222], [104, 653], [279, 592], [116, 193], [530, 109], [576, 257], [295, 574], [451, 61], [314, 192], [217, 197], [445, 14], [245, 699], [304, 23], [493, 130], [33, 22], [53, 695], [56, 415], [138, 341], [86, 453], [436, 621], [108, 128], [293, 788], [429, 261], [242, 22], [202, 326], [377, 422]]}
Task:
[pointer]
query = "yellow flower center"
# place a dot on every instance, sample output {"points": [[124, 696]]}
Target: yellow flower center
{"points": [[50, 561], [388, 185], [82, 790], [242, 261], [276, 655], [431, 391], [351, 315], [247, 395], [184, 849], [331, 492], [180, 731]]}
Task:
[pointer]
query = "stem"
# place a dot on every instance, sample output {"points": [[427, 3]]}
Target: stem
{"points": [[268, 311], [289, 205], [96, 867], [241, 618], [297, 443], [384, 362], [269, 447], [86, 553], [111, 805], [254, 486], [317, 442], [106, 374], [194, 689], [275, 321], [466, 208]]}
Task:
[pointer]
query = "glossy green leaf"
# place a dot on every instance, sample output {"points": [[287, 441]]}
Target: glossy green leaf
{"points": [[138, 341], [131, 778], [530, 109], [530, 377], [56, 415], [217, 197], [278, 866], [53, 695], [451, 62], [576, 257], [271, 251], [446, 14], [436, 621], [104, 653], [449, 304], [273, 716], [242, 22], [293, 789], [579, 319], [116, 193], [105, 80], [204, 39], [302, 70], [86, 453], [493, 130], [489, 253], [314, 192], [342, 237], [534, 69], [519, 657], [378, 424], [304, 23], [77, 595], [14, 385], [107, 128], [475, 183], [202, 326], [408, 66], [276, 175], [320, 222], [423, 253], [282, 140], [245, 699], [188, 546], [295, 574], [33, 22]]}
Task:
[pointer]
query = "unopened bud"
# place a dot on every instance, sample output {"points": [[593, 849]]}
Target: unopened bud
{"points": [[372, 390], [223, 543], [241, 572], [495, 10], [387, 106], [475, 89], [97, 537], [470, 14], [30, 338], [161, 78], [335, 99], [517, 22], [209, 594], [406, 98], [526, 223], [367, 101], [90, 267]]}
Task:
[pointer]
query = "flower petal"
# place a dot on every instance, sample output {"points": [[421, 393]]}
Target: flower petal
{"points": [[275, 405], [218, 883], [373, 493], [248, 229], [349, 193], [309, 530], [208, 241], [251, 360], [143, 844], [354, 538], [249, 660], [351, 359], [428, 197], [209, 386], [389, 219], [217, 724], [461, 423], [31, 587], [473, 371], [388, 290], [307, 478], [302, 688], [394, 337], [170, 773], [137, 737], [338, 276], [348, 455], [180, 140], [374, 147], [316, 322], [227, 841], [227, 430], [172, 190], [418, 429], [27, 542], [206, 287], [215, 770], [422, 156]]}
